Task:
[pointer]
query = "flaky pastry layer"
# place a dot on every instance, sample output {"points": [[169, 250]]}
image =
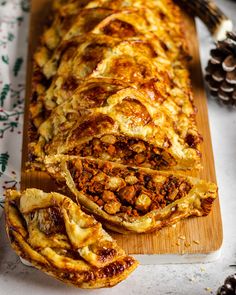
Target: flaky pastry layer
{"points": [[52, 233]]}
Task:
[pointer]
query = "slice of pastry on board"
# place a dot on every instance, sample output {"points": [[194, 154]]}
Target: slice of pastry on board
{"points": [[132, 199], [52, 233]]}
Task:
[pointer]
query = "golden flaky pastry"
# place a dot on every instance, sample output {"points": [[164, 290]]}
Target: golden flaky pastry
{"points": [[52, 232], [114, 69], [131, 199]]}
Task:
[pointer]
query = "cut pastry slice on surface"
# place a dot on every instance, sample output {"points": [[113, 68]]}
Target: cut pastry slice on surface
{"points": [[52, 233], [130, 199]]}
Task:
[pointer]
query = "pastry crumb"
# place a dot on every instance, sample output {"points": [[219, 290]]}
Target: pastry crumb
{"points": [[187, 244], [202, 269], [196, 242], [192, 279], [182, 237]]}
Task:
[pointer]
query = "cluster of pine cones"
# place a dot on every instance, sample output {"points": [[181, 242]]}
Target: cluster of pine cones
{"points": [[221, 70]]}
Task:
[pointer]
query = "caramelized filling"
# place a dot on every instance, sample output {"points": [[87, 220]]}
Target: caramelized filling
{"points": [[128, 151], [126, 191]]}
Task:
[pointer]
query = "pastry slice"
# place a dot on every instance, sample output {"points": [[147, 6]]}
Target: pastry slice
{"points": [[130, 199], [128, 128], [52, 233]]}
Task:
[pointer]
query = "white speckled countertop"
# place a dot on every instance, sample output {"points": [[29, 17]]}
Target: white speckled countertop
{"points": [[17, 279]]}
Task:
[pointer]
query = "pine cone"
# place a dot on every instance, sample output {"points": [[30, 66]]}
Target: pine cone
{"points": [[221, 70], [229, 287]]}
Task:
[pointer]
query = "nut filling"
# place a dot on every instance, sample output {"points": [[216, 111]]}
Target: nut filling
{"points": [[126, 191], [128, 151]]}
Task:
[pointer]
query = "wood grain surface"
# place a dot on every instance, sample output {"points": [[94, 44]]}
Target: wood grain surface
{"points": [[192, 236]]}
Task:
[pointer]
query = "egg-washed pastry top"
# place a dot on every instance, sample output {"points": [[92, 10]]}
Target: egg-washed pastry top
{"points": [[111, 82], [51, 232]]}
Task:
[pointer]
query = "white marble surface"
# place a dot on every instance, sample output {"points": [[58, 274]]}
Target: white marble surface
{"points": [[199, 279]]}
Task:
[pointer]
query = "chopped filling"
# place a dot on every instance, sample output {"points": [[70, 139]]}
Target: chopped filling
{"points": [[126, 191], [129, 151]]}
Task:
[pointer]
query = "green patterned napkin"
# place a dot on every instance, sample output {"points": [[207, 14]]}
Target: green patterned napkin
{"points": [[13, 54]]}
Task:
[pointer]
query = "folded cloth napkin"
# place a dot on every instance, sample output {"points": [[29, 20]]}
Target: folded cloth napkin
{"points": [[13, 55]]}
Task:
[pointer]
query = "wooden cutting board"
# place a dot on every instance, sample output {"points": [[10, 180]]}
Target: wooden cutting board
{"points": [[192, 240]]}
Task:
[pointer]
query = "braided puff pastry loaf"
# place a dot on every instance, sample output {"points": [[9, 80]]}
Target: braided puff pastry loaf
{"points": [[52, 232], [114, 68]]}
